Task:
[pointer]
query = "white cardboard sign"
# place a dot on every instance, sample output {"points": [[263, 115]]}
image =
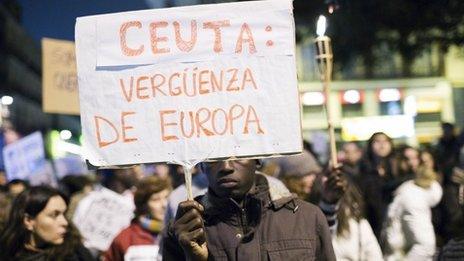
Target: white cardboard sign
{"points": [[189, 83], [101, 215], [142, 253]]}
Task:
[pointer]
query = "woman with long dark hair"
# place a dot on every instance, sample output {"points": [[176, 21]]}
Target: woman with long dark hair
{"points": [[37, 229], [354, 238], [377, 174]]}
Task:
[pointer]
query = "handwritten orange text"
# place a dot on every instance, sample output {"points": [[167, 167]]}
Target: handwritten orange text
{"points": [[189, 82], [206, 122], [156, 32]]}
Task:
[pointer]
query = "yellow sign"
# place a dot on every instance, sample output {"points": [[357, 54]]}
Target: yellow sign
{"points": [[59, 77]]}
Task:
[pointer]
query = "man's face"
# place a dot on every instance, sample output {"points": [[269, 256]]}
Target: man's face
{"points": [[231, 178]]}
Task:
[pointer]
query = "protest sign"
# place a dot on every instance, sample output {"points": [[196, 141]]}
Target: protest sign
{"points": [[59, 77], [142, 253], [69, 165], [101, 215], [25, 157], [189, 83], [43, 176]]}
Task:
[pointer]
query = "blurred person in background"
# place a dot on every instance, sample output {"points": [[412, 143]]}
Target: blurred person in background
{"points": [[303, 176], [447, 151], [352, 155], [354, 238], [37, 229], [298, 173], [121, 181], [409, 232], [408, 160], [378, 178], [452, 206], [454, 249], [5, 205], [76, 187], [161, 170], [150, 198], [3, 180], [73, 184], [427, 161], [16, 186]]}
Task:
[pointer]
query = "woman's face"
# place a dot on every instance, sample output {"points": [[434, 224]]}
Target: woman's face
{"points": [[412, 157], [381, 146], [157, 204], [50, 225], [427, 160], [307, 182]]}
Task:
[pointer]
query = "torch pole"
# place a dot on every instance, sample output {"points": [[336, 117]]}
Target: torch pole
{"points": [[333, 147], [324, 58]]}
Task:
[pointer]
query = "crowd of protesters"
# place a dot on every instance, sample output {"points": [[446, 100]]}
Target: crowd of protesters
{"points": [[385, 201]]}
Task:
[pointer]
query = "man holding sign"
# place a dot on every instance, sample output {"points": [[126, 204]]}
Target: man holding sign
{"points": [[243, 218]]}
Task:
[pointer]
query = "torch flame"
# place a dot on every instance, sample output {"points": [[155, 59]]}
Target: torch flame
{"points": [[321, 25]]}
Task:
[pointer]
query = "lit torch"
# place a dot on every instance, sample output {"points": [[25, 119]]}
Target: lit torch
{"points": [[324, 58]]}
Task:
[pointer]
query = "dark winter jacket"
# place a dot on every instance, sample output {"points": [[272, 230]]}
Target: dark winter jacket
{"points": [[281, 228], [454, 250]]}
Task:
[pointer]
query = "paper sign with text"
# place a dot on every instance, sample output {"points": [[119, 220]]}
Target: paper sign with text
{"points": [[189, 83], [101, 215], [25, 157], [59, 77]]}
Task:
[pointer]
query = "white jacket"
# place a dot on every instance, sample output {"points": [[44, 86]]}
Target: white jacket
{"points": [[360, 244], [408, 231]]}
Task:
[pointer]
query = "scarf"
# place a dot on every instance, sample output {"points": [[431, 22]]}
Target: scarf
{"points": [[152, 225]]}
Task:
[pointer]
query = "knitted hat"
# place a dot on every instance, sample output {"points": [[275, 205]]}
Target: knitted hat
{"points": [[297, 165]]}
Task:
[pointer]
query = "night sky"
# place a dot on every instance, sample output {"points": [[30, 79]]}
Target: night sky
{"points": [[56, 18]]}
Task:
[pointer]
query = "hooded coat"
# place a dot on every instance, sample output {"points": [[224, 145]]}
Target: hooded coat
{"points": [[273, 225], [409, 233]]}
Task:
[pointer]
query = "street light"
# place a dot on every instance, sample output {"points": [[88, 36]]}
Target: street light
{"points": [[65, 134], [7, 100]]}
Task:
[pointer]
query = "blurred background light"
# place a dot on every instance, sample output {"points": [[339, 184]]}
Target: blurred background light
{"points": [[321, 25], [352, 96], [410, 106], [388, 95], [7, 100], [65, 134], [313, 98]]}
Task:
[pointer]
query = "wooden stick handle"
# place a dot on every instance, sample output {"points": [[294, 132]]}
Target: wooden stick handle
{"points": [[188, 181], [333, 147]]}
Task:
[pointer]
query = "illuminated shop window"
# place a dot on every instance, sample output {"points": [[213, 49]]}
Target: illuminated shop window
{"points": [[390, 102], [352, 103]]}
